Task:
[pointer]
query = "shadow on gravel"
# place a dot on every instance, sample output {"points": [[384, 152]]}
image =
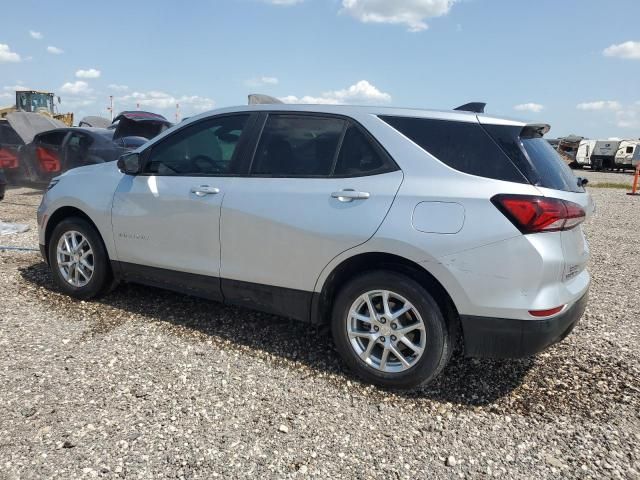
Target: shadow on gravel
{"points": [[465, 381]]}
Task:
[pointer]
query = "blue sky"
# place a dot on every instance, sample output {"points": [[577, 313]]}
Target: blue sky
{"points": [[574, 63]]}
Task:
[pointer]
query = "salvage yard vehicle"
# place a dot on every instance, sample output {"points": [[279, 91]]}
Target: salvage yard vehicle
{"points": [[628, 155], [583, 155], [3, 184], [404, 229], [604, 154], [57, 151]]}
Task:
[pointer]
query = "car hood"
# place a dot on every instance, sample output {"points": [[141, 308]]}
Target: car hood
{"points": [[27, 125]]}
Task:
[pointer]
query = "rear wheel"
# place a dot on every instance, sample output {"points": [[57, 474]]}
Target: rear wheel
{"points": [[390, 331], [78, 259]]}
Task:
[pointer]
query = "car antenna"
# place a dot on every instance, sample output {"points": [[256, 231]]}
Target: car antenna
{"points": [[475, 107]]}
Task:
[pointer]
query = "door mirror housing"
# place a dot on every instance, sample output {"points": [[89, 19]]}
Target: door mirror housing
{"points": [[129, 163]]}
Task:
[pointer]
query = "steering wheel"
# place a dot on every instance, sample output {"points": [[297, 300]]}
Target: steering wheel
{"points": [[205, 164]]}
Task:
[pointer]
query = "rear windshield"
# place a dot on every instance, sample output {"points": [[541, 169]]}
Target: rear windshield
{"points": [[534, 157], [9, 136], [464, 146]]}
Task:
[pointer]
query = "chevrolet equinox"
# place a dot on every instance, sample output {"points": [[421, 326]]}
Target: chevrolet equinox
{"points": [[406, 230]]}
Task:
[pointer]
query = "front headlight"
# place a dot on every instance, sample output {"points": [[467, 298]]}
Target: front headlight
{"points": [[52, 183]]}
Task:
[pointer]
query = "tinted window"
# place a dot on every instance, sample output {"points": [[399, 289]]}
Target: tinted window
{"points": [[629, 149], [358, 156], [297, 146], [540, 163], [461, 145], [53, 138], [205, 148], [8, 135]]}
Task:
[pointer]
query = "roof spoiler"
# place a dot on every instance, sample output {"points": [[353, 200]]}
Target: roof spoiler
{"points": [[260, 99], [475, 107]]}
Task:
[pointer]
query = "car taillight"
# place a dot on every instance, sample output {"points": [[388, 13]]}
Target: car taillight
{"points": [[8, 159], [533, 214]]}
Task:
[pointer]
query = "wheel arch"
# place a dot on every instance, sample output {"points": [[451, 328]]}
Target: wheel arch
{"points": [[61, 214], [370, 261]]}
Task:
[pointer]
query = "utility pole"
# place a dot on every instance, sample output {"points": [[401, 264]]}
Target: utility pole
{"points": [[177, 113], [110, 107]]}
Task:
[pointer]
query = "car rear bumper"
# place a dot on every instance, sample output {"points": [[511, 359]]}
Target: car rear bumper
{"points": [[509, 338]]}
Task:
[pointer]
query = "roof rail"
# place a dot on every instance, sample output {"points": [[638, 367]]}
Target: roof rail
{"points": [[475, 107]]}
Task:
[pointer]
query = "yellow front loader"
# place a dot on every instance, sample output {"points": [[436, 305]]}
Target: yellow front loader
{"points": [[38, 102]]}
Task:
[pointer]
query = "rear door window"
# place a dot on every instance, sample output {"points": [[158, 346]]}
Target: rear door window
{"points": [[297, 146], [464, 146], [359, 156]]}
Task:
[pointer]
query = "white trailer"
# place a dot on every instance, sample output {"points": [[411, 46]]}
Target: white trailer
{"points": [[628, 154], [604, 154], [585, 149]]}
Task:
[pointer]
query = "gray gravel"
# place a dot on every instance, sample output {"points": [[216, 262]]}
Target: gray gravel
{"points": [[149, 384]]}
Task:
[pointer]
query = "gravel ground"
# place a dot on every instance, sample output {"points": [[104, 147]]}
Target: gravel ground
{"points": [[149, 384]]}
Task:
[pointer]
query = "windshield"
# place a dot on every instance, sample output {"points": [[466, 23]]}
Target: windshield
{"points": [[33, 101]]}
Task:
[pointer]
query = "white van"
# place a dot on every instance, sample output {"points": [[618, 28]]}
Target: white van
{"points": [[585, 149], [628, 154]]}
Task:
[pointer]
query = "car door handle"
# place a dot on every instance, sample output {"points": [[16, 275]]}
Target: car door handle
{"points": [[349, 195], [203, 190]]}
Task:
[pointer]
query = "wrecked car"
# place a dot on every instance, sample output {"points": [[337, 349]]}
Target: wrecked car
{"points": [[139, 124], [3, 184], [42, 150], [18, 129], [56, 151]]}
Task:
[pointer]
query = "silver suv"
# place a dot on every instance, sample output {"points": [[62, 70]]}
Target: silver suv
{"points": [[406, 230]]}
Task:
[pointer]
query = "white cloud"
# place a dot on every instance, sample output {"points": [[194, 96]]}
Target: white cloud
{"points": [[629, 50], [13, 88], [90, 73], [36, 35], [76, 88], [629, 117], [54, 50], [261, 81], [600, 105], [361, 92], [189, 104], [529, 107], [6, 55], [117, 88], [284, 2], [411, 13]]}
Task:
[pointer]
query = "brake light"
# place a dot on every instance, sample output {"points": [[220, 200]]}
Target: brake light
{"points": [[49, 161], [533, 214], [8, 159]]}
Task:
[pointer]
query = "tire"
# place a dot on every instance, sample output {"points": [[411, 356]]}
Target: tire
{"points": [[436, 339], [99, 279]]}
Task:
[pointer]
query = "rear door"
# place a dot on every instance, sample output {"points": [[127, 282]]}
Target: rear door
{"points": [[317, 186]]}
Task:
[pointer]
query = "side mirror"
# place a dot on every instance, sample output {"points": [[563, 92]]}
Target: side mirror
{"points": [[582, 181], [129, 163]]}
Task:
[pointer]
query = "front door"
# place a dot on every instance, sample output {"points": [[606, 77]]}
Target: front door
{"points": [[166, 220]]}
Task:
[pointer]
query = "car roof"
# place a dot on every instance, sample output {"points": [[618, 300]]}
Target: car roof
{"points": [[356, 110]]}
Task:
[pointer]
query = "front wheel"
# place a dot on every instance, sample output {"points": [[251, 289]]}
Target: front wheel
{"points": [[78, 259], [390, 331]]}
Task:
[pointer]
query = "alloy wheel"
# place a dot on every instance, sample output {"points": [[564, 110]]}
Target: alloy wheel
{"points": [[386, 331], [75, 258]]}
